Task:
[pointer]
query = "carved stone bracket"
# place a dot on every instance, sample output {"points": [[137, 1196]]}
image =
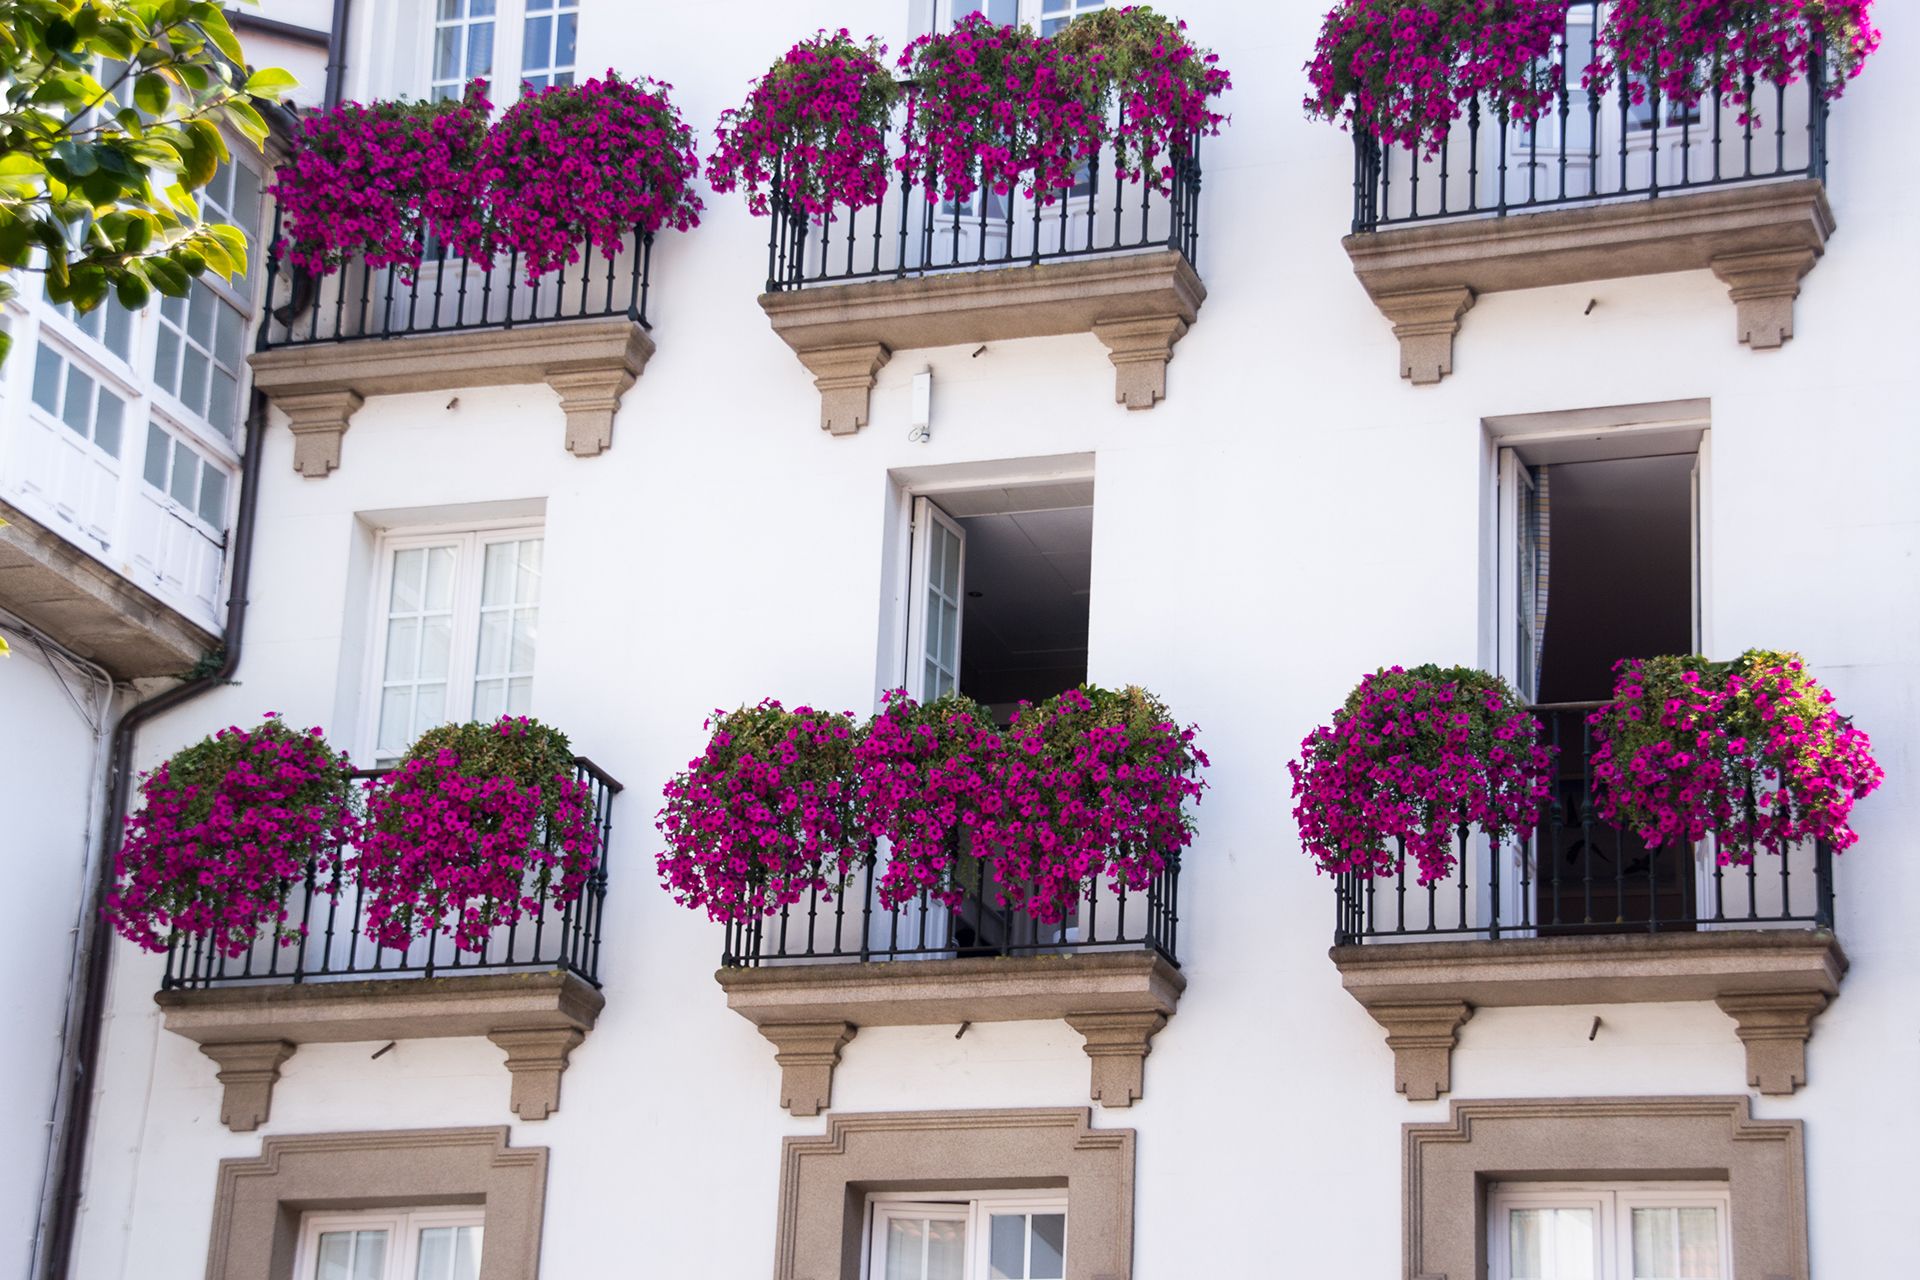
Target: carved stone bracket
{"points": [[1119, 1044], [1116, 1000], [1425, 321], [1139, 305], [1775, 1027], [1140, 349], [537, 1057], [537, 1018], [248, 1071], [1763, 286], [807, 1053], [844, 377], [1422, 1037], [1759, 239], [590, 364]]}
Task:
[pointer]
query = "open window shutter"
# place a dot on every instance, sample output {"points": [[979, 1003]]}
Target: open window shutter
{"points": [[1521, 620], [938, 594]]}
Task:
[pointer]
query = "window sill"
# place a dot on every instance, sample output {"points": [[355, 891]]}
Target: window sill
{"points": [[86, 606], [590, 364], [1138, 305], [1117, 1000], [1760, 240], [1772, 982], [537, 1018]]}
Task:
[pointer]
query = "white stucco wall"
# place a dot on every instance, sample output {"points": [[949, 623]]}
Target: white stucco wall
{"points": [[1291, 516]]}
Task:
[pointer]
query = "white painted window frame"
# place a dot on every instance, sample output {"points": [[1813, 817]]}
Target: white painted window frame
{"points": [[403, 1228], [971, 1207], [1613, 1203], [927, 519], [469, 565], [509, 49]]}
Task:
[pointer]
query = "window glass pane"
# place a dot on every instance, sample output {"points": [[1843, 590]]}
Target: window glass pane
{"points": [[946, 1250], [220, 402], [448, 1253], [1676, 1244], [1049, 1246], [479, 49], [446, 53], [186, 474], [200, 313], [46, 379], [565, 41], [155, 469], [79, 399], [409, 572], [539, 43], [107, 422], [119, 335], [439, 585], [166, 358], [213, 496], [906, 1249], [1007, 1246], [245, 209], [352, 1255], [1525, 1244], [1551, 1244], [231, 329]]}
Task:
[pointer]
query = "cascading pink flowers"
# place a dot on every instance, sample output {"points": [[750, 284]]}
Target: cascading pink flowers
{"points": [[479, 827], [225, 830], [587, 164], [1691, 49], [377, 182], [1412, 756], [926, 778], [1749, 751], [764, 814], [1405, 70], [811, 129]]}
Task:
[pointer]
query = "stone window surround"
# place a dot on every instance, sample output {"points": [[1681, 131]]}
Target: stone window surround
{"points": [[1138, 305], [259, 1200], [590, 364], [825, 1180], [1447, 1167], [1759, 239], [1118, 1001], [249, 1032]]}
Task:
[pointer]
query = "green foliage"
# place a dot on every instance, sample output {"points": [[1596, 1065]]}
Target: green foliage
{"points": [[530, 755], [199, 772], [110, 119]]}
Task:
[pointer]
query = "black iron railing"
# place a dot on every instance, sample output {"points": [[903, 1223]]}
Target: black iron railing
{"points": [[1576, 875], [332, 909], [912, 231], [849, 924], [1595, 146], [449, 294]]}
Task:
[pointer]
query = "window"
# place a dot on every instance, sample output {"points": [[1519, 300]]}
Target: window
{"points": [[463, 32], [550, 36], [427, 1244], [233, 197], [1624, 1231], [73, 396], [1008, 1236], [109, 324], [471, 38], [194, 483], [459, 617], [198, 353]]}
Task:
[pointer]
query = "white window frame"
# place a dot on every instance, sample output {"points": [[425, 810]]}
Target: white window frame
{"points": [[509, 50], [1613, 1203], [403, 1227], [470, 565], [927, 516], [972, 1207]]}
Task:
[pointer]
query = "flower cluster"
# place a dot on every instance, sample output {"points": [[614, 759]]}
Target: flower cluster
{"points": [[812, 130], [764, 814], [1095, 783], [1411, 757], [1087, 784], [1164, 83], [926, 779], [479, 826], [225, 829], [1404, 70], [1689, 49], [376, 182], [1750, 751], [589, 164]]}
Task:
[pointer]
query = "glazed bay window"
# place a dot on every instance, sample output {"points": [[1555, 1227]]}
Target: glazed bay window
{"points": [[1569, 1231], [458, 623], [997, 1236], [423, 1244]]}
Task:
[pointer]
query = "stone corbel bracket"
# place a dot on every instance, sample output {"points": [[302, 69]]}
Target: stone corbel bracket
{"points": [[1138, 305], [1117, 1001], [537, 1018], [1771, 982], [590, 364], [1760, 240]]}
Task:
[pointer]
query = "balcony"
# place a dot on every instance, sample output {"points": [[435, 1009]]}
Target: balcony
{"points": [[1112, 258], [1582, 913], [534, 990], [1599, 188], [811, 977], [330, 342]]}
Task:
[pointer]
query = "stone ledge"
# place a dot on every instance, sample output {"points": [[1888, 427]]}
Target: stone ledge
{"points": [[1138, 305], [1759, 239], [537, 1018], [590, 364], [103, 617], [1117, 1001], [1772, 982]]}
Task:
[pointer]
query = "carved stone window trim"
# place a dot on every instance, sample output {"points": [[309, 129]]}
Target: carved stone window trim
{"points": [[258, 1201], [824, 1181], [1448, 1165]]}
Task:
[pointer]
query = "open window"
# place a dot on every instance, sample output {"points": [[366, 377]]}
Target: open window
{"points": [[1609, 1231], [967, 1236], [391, 1244]]}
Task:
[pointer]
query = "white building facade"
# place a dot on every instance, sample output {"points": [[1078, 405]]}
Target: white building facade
{"points": [[1243, 489]]}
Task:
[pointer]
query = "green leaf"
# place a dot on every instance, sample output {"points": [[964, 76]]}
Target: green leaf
{"points": [[270, 82], [195, 77], [168, 276], [213, 21], [6, 345], [152, 94], [131, 289], [247, 120], [79, 159]]}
